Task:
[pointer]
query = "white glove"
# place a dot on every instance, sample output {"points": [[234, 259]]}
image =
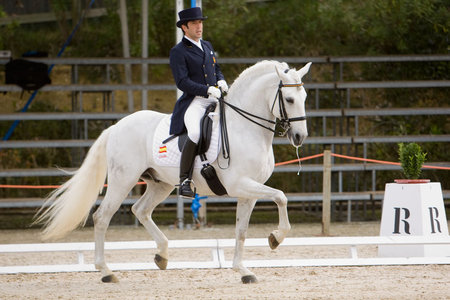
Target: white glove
{"points": [[223, 85], [214, 92]]}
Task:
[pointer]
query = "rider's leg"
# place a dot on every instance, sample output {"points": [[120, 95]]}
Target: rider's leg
{"points": [[186, 166], [192, 121]]}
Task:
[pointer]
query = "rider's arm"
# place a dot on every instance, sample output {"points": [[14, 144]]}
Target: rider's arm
{"points": [[180, 74]]}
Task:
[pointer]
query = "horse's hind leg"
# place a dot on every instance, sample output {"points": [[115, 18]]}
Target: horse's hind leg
{"points": [[243, 213], [143, 209], [114, 197]]}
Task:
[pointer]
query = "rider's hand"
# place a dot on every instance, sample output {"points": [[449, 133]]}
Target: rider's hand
{"points": [[223, 85], [214, 92]]}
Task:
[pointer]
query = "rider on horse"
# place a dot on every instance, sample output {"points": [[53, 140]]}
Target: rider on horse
{"points": [[197, 74]]}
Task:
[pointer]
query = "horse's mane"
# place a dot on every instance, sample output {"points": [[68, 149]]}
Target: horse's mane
{"points": [[257, 70]]}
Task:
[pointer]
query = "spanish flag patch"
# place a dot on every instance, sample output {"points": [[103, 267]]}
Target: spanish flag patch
{"points": [[163, 149]]}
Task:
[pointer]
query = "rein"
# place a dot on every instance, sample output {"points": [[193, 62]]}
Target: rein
{"points": [[285, 121]]}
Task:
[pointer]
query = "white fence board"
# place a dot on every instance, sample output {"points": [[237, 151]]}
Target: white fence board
{"points": [[218, 260]]}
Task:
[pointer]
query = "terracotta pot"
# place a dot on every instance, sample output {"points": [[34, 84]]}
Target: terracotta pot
{"points": [[407, 181]]}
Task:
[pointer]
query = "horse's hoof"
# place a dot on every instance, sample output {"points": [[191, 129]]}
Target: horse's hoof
{"points": [[110, 278], [273, 243], [249, 279], [161, 262]]}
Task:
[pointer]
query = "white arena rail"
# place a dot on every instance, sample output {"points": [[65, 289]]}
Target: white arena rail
{"points": [[218, 260]]}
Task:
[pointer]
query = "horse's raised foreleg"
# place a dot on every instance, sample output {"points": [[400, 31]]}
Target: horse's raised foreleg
{"points": [[115, 194], [252, 189], [277, 236], [143, 209], [243, 213]]}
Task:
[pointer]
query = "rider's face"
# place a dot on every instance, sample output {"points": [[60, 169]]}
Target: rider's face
{"points": [[194, 29]]}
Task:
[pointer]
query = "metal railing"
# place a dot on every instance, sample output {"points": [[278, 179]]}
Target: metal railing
{"points": [[336, 62], [320, 116]]}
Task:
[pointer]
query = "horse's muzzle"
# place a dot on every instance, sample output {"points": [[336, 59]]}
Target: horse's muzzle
{"points": [[296, 139]]}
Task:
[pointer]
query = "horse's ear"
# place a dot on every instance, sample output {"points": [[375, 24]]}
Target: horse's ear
{"points": [[304, 70], [281, 73]]}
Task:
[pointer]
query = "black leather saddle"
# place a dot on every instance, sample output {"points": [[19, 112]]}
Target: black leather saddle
{"points": [[206, 125], [208, 171]]}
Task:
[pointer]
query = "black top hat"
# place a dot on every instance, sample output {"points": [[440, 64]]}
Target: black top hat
{"points": [[190, 14]]}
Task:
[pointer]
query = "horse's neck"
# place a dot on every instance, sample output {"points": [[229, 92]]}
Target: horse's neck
{"points": [[254, 94], [254, 97]]}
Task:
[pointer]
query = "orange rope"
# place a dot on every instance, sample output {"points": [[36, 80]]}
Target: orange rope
{"points": [[366, 159], [10, 186], [386, 162], [296, 160], [18, 186], [435, 167]]}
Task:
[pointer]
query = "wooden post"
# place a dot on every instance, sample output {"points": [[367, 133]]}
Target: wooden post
{"points": [[326, 201]]}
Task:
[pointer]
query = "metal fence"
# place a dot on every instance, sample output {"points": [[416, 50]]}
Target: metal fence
{"points": [[344, 116]]}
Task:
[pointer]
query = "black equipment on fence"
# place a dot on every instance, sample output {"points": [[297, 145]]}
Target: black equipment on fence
{"points": [[29, 75]]}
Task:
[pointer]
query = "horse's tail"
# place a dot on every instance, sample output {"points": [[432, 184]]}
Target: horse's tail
{"points": [[70, 203]]}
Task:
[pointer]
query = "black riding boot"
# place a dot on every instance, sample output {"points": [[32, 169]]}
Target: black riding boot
{"points": [[186, 166]]}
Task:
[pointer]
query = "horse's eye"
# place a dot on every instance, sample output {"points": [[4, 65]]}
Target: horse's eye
{"points": [[290, 100]]}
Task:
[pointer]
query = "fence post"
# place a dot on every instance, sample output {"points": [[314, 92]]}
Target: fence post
{"points": [[126, 50], [326, 201], [180, 210], [202, 212]]}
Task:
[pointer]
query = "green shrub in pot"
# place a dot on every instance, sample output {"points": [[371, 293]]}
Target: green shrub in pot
{"points": [[411, 158]]}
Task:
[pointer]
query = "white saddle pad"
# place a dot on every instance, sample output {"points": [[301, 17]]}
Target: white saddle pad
{"points": [[168, 154]]}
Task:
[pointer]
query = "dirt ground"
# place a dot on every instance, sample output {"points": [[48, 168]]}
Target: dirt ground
{"points": [[375, 282]]}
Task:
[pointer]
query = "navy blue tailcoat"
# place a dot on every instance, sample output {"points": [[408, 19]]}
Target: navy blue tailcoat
{"points": [[194, 72]]}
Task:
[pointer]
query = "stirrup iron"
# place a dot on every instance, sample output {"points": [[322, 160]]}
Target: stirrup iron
{"points": [[187, 183]]}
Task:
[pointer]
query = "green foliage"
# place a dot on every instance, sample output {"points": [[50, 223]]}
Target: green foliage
{"points": [[403, 26], [238, 28], [334, 27], [411, 158]]}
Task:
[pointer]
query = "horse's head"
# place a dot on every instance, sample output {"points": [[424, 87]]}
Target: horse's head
{"points": [[290, 106]]}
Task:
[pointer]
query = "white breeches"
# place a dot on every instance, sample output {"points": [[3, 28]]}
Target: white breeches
{"points": [[193, 114]]}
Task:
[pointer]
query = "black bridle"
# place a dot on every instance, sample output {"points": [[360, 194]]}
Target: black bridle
{"points": [[285, 121]]}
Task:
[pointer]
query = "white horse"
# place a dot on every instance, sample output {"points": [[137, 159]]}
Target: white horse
{"points": [[268, 90]]}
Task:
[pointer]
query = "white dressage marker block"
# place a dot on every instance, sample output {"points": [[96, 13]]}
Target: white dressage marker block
{"points": [[414, 210]]}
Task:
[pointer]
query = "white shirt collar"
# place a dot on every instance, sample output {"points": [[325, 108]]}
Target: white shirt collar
{"points": [[198, 44]]}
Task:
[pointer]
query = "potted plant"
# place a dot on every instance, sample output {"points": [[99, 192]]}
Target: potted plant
{"points": [[411, 159]]}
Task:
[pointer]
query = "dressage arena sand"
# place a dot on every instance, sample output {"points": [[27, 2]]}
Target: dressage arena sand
{"points": [[375, 282]]}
